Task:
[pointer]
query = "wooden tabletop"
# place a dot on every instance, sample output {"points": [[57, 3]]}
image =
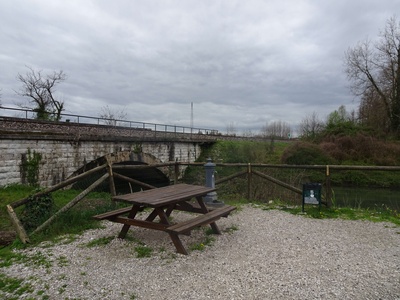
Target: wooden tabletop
{"points": [[165, 195]]}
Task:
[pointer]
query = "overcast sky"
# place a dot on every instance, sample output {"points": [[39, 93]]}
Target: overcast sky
{"points": [[242, 63]]}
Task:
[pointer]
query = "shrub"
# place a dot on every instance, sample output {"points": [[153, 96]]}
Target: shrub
{"points": [[36, 211], [333, 150], [303, 153], [361, 149]]}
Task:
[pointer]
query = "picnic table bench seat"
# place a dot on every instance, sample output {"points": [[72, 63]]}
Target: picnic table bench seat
{"points": [[186, 226], [113, 214]]}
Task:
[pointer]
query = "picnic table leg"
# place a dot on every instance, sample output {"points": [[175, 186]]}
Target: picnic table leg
{"points": [[178, 244], [174, 237], [205, 210], [170, 209], [152, 216], [163, 216], [132, 215]]}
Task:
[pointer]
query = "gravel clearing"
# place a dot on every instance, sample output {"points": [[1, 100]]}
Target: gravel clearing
{"points": [[262, 254]]}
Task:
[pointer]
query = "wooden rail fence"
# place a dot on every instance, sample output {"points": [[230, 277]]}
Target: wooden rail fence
{"points": [[111, 171]]}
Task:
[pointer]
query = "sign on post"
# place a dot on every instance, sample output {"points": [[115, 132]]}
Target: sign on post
{"points": [[311, 194]]}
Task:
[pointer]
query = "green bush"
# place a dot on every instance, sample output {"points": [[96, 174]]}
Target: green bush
{"points": [[36, 211]]}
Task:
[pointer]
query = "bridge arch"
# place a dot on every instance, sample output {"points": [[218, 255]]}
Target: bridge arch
{"points": [[154, 176]]}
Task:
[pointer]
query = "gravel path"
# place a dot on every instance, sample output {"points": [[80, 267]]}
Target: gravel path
{"points": [[262, 254]]}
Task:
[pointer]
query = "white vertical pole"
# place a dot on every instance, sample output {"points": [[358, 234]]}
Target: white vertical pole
{"points": [[191, 117]]}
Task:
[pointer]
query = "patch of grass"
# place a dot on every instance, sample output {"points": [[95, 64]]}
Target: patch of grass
{"points": [[208, 240], [62, 289], [143, 251], [14, 286], [199, 247], [100, 242], [381, 214], [8, 257], [8, 195], [62, 277], [64, 239], [133, 239], [62, 261], [74, 221], [208, 231], [168, 256], [38, 259], [231, 229]]}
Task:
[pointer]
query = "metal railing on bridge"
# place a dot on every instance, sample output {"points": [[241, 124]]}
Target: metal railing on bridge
{"points": [[81, 119]]}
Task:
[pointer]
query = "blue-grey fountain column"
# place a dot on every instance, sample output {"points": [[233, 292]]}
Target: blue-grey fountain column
{"points": [[211, 198]]}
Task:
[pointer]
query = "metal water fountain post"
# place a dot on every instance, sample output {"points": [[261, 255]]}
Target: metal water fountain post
{"points": [[211, 198]]}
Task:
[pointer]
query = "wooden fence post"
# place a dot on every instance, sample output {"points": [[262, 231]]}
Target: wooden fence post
{"points": [[111, 178], [328, 192], [248, 181], [176, 172]]}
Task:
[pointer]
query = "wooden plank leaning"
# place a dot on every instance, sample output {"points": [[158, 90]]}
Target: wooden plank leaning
{"points": [[58, 186], [72, 203], [17, 225]]}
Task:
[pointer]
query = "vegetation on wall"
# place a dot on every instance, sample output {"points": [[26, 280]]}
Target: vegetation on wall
{"points": [[30, 167]]}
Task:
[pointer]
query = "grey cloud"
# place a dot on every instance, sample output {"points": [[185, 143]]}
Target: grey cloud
{"points": [[245, 63]]}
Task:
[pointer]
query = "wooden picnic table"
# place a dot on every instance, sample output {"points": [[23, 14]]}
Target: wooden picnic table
{"points": [[163, 201]]}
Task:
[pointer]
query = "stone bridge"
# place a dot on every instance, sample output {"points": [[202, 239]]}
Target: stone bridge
{"points": [[56, 150]]}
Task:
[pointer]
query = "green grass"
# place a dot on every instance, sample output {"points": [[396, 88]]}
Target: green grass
{"points": [[207, 241], [64, 229], [75, 220], [382, 214], [9, 257], [100, 242], [14, 286], [231, 229], [143, 251], [8, 195]]}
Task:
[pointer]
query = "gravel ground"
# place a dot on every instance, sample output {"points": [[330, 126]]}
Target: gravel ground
{"points": [[262, 254]]}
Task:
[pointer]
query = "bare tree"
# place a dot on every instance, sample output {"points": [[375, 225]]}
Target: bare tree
{"points": [[231, 129], [371, 110], [277, 129], [311, 125], [373, 69], [41, 88], [111, 116], [247, 133]]}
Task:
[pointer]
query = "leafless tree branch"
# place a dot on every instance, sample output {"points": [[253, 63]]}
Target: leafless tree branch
{"points": [[40, 89]]}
